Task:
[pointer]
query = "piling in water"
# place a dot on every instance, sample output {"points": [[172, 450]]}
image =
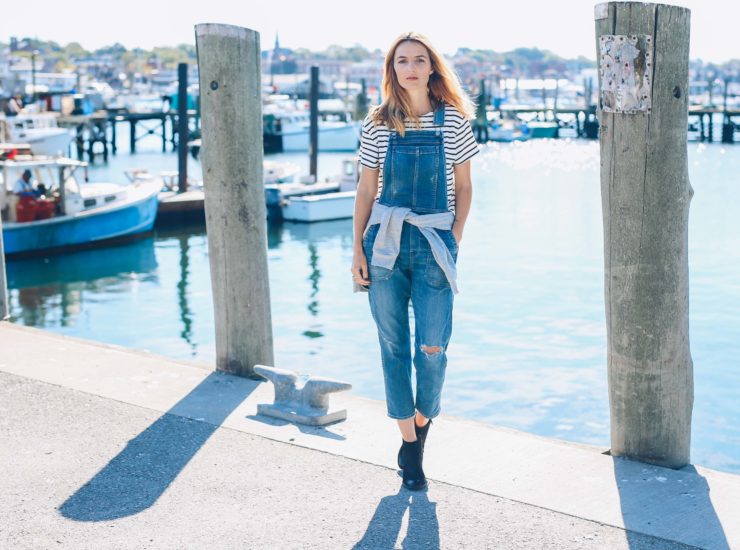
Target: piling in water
{"points": [[182, 127], [229, 67], [4, 309]]}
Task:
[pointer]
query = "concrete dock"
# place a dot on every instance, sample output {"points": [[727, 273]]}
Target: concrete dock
{"points": [[105, 447]]}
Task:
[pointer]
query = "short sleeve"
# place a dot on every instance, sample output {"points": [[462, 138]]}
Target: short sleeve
{"points": [[465, 144], [369, 153]]}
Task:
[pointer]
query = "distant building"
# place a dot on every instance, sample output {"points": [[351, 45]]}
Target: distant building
{"points": [[22, 44], [371, 71], [281, 60], [334, 68]]}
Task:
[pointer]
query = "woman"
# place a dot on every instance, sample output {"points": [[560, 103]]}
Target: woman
{"points": [[412, 201]]}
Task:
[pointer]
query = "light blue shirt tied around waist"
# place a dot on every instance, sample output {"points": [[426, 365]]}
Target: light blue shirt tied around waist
{"points": [[388, 238]]}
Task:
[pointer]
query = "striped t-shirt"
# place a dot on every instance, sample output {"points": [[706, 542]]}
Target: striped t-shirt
{"points": [[460, 145]]}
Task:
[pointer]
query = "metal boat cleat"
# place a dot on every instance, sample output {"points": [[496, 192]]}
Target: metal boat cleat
{"points": [[307, 404]]}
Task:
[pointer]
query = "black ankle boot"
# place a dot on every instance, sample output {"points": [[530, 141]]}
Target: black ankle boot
{"points": [[421, 434], [413, 473]]}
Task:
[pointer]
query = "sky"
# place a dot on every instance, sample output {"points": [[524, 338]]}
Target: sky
{"points": [[565, 27]]}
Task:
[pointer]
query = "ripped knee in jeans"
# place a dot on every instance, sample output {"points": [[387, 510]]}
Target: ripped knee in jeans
{"points": [[430, 351]]}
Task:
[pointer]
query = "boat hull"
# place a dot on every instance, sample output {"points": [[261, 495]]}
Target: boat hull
{"points": [[46, 141], [342, 138], [112, 222], [539, 130], [318, 208]]}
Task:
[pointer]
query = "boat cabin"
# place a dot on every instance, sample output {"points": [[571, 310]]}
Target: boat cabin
{"points": [[57, 191]]}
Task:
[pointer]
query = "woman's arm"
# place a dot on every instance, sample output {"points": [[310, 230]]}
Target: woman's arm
{"points": [[463, 198], [367, 188]]}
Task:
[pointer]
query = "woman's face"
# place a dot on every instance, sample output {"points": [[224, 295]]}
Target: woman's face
{"points": [[412, 65]]}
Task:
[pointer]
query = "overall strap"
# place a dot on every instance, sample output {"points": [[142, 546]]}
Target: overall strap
{"points": [[439, 115]]}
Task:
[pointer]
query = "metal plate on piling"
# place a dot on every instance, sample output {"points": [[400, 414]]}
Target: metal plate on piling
{"points": [[626, 66], [601, 11]]}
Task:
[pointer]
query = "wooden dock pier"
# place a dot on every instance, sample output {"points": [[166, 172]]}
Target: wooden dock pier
{"points": [[96, 134], [584, 118], [101, 128], [701, 120]]}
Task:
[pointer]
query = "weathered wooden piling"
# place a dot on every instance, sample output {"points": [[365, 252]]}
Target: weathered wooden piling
{"points": [[643, 108], [4, 308], [229, 67], [313, 145], [182, 127]]}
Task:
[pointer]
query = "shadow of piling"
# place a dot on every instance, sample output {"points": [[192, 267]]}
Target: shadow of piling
{"points": [[135, 478], [658, 502]]}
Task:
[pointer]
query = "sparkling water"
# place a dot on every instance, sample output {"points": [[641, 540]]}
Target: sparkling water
{"points": [[528, 348]]}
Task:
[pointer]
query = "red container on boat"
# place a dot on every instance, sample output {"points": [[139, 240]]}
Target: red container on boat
{"points": [[25, 208], [45, 209]]}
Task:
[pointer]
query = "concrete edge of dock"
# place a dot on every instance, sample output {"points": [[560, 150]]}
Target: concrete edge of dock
{"points": [[570, 478]]}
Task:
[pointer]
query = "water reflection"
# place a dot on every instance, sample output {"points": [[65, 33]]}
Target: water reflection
{"points": [[528, 348], [314, 276], [182, 292], [315, 236], [50, 291], [180, 239]]}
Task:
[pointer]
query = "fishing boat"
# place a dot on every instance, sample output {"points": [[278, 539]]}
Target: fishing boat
{"points": [[39, 130], [70, 213]]}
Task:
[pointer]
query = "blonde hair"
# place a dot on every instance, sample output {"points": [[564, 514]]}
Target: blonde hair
{"points": [[443, 87]]}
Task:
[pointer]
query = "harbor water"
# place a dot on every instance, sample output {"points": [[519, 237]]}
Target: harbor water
{"points": [[528, 349]]}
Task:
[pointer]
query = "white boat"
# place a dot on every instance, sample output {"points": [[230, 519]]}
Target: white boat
{"points": [[291, 121], [325, 206], [40, 131], [333, 135], [319, 208], [278, 172]]}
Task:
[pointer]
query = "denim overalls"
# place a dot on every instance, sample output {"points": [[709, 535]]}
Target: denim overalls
{"points": [[414, 176]]}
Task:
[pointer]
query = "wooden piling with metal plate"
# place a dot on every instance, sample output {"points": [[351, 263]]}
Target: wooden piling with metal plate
{"points": [[182, 127], [643, 55], [231, 111]]}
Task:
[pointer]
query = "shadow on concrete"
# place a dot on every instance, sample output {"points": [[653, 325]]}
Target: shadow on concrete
{"points": [[321, 431], [134, 479], [671, 504], [385, 525]]}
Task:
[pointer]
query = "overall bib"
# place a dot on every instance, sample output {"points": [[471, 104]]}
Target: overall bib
{"points": [[414, 177]]}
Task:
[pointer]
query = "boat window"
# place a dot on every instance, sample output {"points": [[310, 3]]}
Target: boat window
{"points": [[90, 202], [110, 198]]}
